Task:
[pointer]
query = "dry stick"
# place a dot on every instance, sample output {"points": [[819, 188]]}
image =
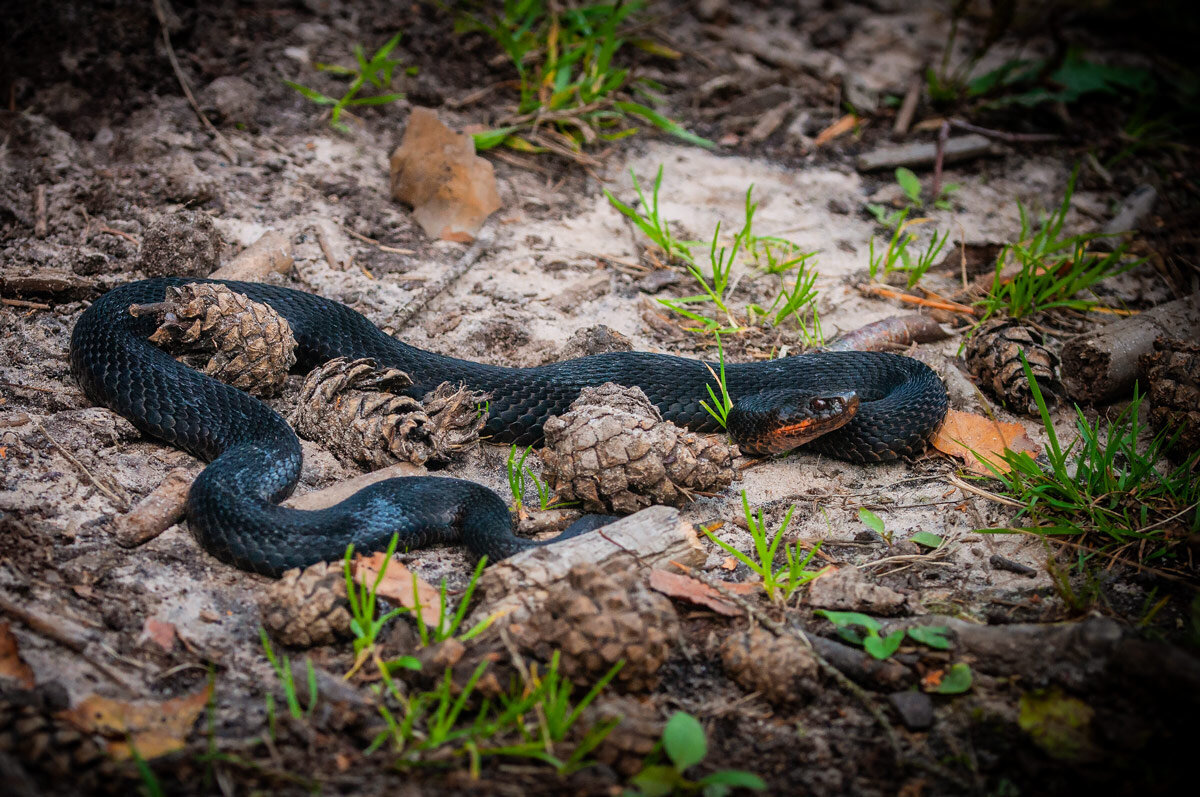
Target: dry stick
{"points": [[908, 108], [1012, 138], [460, 267], [888, 293], [778, 629], [25, 303], [943, 137], [39, 211], [327, 250], [226, 148], [122, 503], [162, 508]]}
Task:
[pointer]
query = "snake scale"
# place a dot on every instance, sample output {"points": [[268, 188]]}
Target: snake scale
{"points": [[255, 457]]}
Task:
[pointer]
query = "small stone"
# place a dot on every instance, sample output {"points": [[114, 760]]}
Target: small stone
{"points": [[232, 98], [597, 339], [915, 709]]}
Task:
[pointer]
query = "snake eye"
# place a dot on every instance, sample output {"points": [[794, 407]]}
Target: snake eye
{"points": [[819, 404]]}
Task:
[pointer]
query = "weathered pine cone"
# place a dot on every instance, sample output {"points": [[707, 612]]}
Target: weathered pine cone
{"points": [[51, 752], [596, 620], [247, 344], [359, 412], [627, 745], [778, 667], [308, 607], [994, 357], [1173, 373], [613, 452]]}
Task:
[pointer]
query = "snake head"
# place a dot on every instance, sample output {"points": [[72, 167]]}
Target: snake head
{"points": [[776, 421]]}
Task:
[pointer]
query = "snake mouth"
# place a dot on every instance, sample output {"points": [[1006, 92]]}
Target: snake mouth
{"points": [[796, 421]]}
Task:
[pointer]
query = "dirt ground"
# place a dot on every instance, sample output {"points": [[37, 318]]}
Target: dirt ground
{"points": [[97, 121]]}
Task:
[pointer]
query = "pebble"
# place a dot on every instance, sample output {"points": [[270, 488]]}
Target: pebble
{"points": [[915, 709]]}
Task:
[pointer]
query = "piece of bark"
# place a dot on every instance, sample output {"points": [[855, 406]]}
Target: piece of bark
{"points": [[1103, 365], [63, 286], [924, 153], [846, 589], [162, 508], [321, 499], [271, 252], [516, 587], [863, 668], [908, 108], [896, 331]]}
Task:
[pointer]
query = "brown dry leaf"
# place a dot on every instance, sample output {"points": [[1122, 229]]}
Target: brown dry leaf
{"points": [[730, 564], [964, 432], [686, 588], [154, 729], [838, 128], [397, 586], [11, 664], [451, 190]]}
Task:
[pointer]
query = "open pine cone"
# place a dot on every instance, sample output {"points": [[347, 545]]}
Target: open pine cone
{"points": [[627, 745], [613, 452], [308, 607], [359, 411], [778, 667], [247, 344], [994, 357], [597, 620]]}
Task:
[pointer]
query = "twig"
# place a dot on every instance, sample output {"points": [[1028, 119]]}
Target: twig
{"points": [[970, 488], [327, 250], [908, 108], [125, 235], [25, 303], [122, 503], [943, 137], [460, 267], [16, 386], [224, 144], [888, 293], [39, 211], [1012, 138]]}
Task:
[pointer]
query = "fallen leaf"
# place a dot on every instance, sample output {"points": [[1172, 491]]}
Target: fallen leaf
{"points": [[152, 728], [838, 128], [451, 190], [686, 588], [160, 633], [730, 563], [964, 432], [11, 664], [397, 586]]}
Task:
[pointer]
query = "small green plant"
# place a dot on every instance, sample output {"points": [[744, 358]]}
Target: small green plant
{"points": [[1104, 486], [686, 745], [719, 409], [871, 639], [519, 474], [1051, 269], [568, 72], [779, 584], [650, 221], [875, 523], [897, 256], [283, 671], [910, 184], [151, 786], [377, 71]]}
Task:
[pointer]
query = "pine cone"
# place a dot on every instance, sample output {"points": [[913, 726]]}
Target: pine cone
{"points": [[1173, 373], [778, 667], [359, 412], [994, 357], [51, 751], [251, 345], [597, 620], [627, 745], [613, 451], [308, 607]]}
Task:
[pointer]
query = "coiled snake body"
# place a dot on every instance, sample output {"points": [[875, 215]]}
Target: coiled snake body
{"points": [[255, 456]]}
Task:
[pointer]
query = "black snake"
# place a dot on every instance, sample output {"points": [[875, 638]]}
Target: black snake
{"points": [[892, 404]]}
